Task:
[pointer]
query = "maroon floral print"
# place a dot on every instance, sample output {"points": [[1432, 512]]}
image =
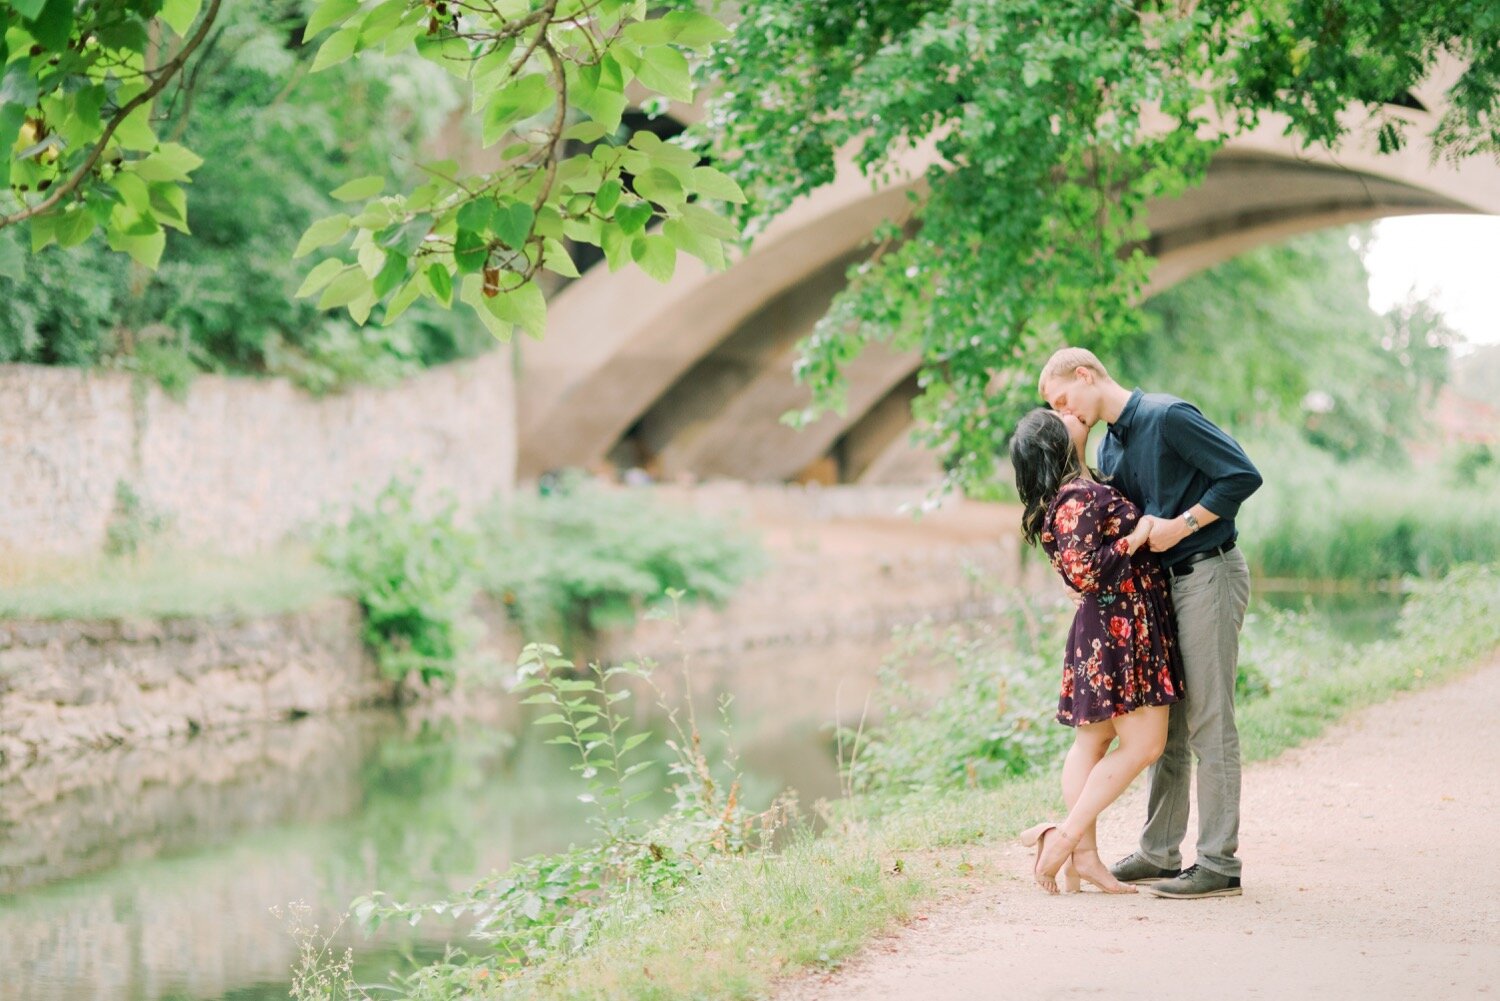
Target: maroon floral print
{"points": [[1122, 650]]}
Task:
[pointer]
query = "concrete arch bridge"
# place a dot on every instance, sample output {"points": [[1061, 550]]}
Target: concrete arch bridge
{"points": [[691, 378]]}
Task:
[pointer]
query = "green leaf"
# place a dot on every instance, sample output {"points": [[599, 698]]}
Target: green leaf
{"points": [[585, 132], [321, 234], [180, 14], [513, 223], [359, 189], [392, 273], [608, 196], [144, 250], [380, 22], [28, 8], [659, 186], [555, 258], [135, 132], [631, 218], [526, 307], [599, 96], [319, 277], [476, 214], [43, 231], [53, 25], [710, 183], [339, 46], [666, 71], [169, 162], [695, 30], [707, 249], [133, 192], [470, 251], [472, 293], [74, 227], [348, 285], [709, 223], [409, 294], [169, 206], [516, 102], [441, 282], [359, 309], [656, 255], [328, 14]]}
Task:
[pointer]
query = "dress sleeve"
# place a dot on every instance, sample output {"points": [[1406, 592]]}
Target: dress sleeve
{"points": [[1092, 553]]}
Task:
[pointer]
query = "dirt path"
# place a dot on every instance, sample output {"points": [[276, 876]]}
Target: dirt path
{"points": [[1371, 872]]}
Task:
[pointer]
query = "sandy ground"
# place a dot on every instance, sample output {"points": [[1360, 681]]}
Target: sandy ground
{"points": [[1371, 872]]}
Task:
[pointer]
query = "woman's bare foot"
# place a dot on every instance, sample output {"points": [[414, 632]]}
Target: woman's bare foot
{"points": [[1055, 851], [1091, 869]]}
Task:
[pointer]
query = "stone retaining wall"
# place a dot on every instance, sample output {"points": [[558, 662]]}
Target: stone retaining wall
{"points": [[67, 687], [239, 463], [811, 627]]}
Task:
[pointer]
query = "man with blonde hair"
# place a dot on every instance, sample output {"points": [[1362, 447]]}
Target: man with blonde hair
{"points": [[1177, 466]]}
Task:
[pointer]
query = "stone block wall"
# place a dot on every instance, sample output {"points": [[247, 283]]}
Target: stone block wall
{"points": [[239, 463], [72, 687]]}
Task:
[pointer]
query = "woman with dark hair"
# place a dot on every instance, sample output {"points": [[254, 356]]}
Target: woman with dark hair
{"points": [[1121, 668]]}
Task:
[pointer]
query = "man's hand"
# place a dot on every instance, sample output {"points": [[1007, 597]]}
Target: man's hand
{"points": [[1167, 532]]}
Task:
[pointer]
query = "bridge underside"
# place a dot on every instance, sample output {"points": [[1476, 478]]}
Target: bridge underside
{"points": [[692, 379]]}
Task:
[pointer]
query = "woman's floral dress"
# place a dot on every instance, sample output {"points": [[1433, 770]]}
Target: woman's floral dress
{"points": [[1122, 650]]}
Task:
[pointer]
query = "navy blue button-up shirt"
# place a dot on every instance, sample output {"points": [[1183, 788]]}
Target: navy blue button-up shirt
{"points": [[1166, 456]]}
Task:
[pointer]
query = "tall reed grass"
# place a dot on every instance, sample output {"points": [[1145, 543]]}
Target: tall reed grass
{"points": [[1315, 519]]}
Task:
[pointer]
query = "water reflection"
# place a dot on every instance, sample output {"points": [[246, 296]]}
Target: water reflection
{"points": [[154, 880]]}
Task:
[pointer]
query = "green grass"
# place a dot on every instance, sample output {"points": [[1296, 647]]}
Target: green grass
{"points": [[165, 585], [1315, 519], [747, 922]]}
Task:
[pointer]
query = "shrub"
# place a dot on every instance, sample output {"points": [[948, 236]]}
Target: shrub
{"points": [[413, 575], [582, 558], [994, 720]]}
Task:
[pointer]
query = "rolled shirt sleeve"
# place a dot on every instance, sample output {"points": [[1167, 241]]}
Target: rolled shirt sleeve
{"points": [[1201, 444]]}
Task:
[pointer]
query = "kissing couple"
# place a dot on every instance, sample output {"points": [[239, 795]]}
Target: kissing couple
{"points": [[1148, 544]]}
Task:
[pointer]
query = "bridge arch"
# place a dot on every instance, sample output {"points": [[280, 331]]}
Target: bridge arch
{"points": [[692, 377]]}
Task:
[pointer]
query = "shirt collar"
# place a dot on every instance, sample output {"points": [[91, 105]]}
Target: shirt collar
{"points": [[1121, 427]]}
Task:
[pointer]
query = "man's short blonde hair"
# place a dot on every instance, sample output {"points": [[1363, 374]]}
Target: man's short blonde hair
{"points": [[1065, 363]]}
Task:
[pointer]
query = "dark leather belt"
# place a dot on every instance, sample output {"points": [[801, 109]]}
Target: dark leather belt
{"points": [[1186, 566]]}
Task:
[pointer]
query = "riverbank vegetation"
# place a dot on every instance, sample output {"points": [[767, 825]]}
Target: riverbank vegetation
{"points": [[924, 793], [1367, 521], [563, 565]]}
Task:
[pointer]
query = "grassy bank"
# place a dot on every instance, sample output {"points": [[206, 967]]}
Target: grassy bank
{"points": [[746, 921], [164, 585], [1317, 519]]}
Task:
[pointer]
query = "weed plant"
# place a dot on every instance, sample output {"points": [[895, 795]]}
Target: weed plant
{"points": [[413, 574], [581, 559]]}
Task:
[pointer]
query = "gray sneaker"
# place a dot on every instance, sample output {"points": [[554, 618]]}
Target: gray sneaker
{"points": [[1137, 868], [1196, 881]]}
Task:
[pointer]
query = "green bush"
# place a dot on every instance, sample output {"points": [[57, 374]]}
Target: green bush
{"points": [[1317, 519], [583, 558], [994, 720], [413, 575]]}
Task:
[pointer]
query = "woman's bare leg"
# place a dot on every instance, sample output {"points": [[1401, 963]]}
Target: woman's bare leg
{"points": [[1090, 743], [1143, 735]]}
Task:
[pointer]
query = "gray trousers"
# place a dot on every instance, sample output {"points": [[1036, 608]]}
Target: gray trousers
{"points": [[1210, 604]]}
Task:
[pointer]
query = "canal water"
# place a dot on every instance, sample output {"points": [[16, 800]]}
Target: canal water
{"points": [[151, 874]]}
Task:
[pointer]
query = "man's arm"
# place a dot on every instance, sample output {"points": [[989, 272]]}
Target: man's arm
{"points": [[1202, 444]]}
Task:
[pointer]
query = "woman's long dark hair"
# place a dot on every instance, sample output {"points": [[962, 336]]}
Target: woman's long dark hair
{"points": [[1043, 459]]}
